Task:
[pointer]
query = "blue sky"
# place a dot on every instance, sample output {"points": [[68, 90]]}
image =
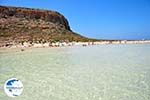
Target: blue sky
{"points": [[103, 19]]}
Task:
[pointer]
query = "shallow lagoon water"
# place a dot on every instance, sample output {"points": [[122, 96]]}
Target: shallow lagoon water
{"points": [[103, 72]]}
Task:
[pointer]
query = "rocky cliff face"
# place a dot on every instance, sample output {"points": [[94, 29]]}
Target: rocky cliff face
{"points": [[25, 24], [45, 15]]}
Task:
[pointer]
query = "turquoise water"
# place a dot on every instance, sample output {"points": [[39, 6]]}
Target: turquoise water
{"points": [[104, 72]]}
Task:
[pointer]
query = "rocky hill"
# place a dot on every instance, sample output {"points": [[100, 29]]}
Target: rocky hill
{"points": [[19, 24]]}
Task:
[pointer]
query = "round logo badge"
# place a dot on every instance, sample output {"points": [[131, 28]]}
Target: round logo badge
{"points": [[13, 87]]}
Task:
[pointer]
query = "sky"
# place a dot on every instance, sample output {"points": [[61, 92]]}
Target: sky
{"points": [[101, 19]]}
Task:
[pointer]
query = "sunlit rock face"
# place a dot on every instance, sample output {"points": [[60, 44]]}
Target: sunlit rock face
{"points": [[19, 24], [27, 13]]}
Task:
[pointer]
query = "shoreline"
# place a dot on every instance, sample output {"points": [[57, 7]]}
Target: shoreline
{"points": [[68, 44]]}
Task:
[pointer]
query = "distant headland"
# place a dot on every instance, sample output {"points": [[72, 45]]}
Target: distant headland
{"points": [[37, 28]]}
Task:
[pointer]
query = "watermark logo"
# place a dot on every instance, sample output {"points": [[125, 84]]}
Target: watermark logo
{"points": [[13, 87]]}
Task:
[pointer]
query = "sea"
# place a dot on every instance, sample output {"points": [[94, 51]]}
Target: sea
{"points": [[98, 72]]}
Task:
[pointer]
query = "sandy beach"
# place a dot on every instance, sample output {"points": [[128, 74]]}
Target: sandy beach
{"points": [[65, 44]]}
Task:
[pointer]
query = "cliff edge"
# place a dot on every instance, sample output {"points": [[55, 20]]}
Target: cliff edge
{"points": [[19, 24]]}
